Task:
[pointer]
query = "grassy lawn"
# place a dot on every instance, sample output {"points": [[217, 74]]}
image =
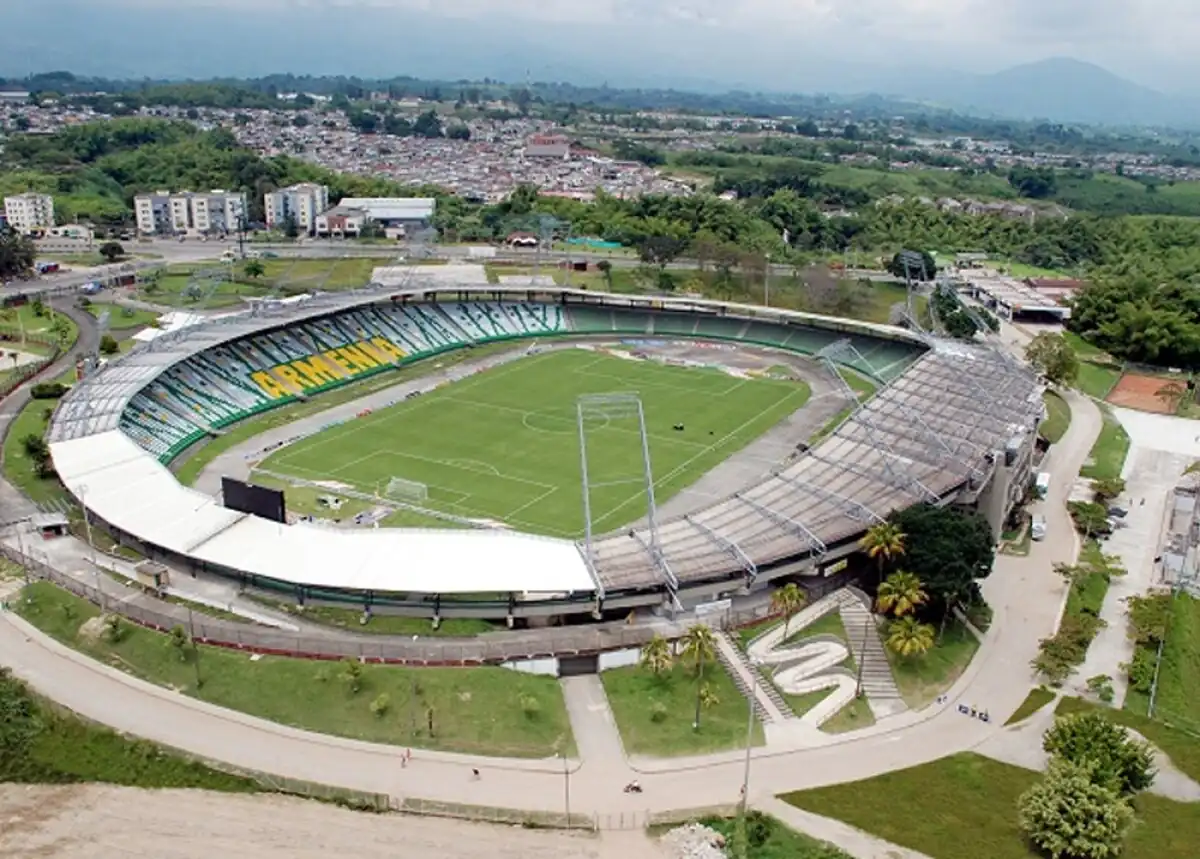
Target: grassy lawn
{"points": [[189, 469], [476, 710], [748, 633], [1085, 350], [525, 470], [633, 693], [121, 318], [1179, 671], [921, 679], [776, 840], [67, 750], [1058, 417], [826, 624], [855, 715], [291, 276], [1107, 456], [1034, 701], [19, 469], [830, 623], [965, 805], [801, 704], [1096, 380]]}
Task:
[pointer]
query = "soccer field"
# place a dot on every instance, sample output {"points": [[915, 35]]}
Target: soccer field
{"points": [[503, 445]]}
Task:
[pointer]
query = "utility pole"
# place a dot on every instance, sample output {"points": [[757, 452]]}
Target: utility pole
{"points": [[195, 647], [767, 282], [241, 229]]}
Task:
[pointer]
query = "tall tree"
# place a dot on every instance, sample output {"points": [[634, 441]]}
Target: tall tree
{"points": [[1053, 357], [699, 648], [1069, 816], [656, 656], [788, 600], [17, 255], [949, 550], [900, 594], [909, 637], [884, 543]]}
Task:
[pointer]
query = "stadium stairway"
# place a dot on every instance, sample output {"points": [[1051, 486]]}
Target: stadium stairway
{"points": [[867, 649], [769, 705]]}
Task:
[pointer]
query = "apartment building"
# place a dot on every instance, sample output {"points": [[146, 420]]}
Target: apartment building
{"points": [[29, 213], [189, 212], [302, 203]]}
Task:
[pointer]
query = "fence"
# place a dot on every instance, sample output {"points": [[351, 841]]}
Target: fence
{"points": [[338, 644], [489, 814], [24, 373]]}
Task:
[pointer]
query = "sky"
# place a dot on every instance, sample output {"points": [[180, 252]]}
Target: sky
{"points": [[735, 41]]}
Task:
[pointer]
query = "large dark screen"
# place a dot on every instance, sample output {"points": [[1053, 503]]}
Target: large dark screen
{"points": [[256, 500]]}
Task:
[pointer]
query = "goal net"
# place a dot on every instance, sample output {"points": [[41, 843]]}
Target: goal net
{"points": [[411, 491]]}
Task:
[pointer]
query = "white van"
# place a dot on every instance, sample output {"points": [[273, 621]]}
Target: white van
{"points": [[1042, 486], [1037, 528]]}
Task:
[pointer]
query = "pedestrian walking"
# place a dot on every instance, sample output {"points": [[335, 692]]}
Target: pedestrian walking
{"points": [[474, 775]]}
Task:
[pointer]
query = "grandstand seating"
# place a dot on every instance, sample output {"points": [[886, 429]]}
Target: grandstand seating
{"points": [[224, 384], [227, 383]]}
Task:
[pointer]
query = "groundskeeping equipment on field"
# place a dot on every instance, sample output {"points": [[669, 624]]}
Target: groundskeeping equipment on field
{"points": [[409, 491]]}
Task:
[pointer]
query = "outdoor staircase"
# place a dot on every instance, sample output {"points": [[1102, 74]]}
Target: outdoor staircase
{"points": [[769, 705], [866, 647]]}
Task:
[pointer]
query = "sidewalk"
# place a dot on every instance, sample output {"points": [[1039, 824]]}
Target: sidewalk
{"points": [[857, 843]]}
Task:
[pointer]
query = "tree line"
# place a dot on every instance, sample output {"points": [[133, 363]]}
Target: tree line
{"points": [[1143, 304]]}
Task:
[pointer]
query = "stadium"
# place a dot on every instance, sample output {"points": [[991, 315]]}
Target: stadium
{"points": [[534, 489]]}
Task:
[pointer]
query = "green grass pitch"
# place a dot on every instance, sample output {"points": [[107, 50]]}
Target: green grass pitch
{"points": [[504, 445]]}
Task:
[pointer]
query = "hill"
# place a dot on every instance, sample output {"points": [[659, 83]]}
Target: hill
{"points": [[1063, 90]]}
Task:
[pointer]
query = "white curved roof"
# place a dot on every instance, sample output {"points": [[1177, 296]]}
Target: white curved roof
{"points": [[127, 487]]}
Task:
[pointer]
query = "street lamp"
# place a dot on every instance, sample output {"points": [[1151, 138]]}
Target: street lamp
{"points": [[567, 788], [754, 664], [862, 652], [87, 527]]}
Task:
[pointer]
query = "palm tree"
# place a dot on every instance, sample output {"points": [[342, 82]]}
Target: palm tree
{"points": [[900, 594], [699, 645], [909, 637], [708, 695], [789, 599], [1170, 394], [883, 542], [657, 657]]}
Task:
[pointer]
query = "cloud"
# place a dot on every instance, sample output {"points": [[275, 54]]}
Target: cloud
{"points": [[789, 41]]}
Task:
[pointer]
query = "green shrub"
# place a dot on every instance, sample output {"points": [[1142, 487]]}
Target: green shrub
{"points": [[47, 390]]}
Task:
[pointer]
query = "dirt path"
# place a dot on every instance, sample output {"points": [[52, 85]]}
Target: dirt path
{"points": [[86, 821]]}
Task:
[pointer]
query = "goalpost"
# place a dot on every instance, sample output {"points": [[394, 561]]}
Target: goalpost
{"points": [[410, 491]]}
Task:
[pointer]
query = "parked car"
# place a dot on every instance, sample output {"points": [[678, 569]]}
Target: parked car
{"points": [[1118, 512]]}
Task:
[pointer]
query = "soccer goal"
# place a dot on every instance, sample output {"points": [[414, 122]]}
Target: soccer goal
{"points": [[410, 491]]}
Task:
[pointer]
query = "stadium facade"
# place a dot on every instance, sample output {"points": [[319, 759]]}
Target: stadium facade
{"points": [[952, 423]]}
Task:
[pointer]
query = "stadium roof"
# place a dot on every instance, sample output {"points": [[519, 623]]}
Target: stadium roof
{"points": [[930, 432], [129, 489]]}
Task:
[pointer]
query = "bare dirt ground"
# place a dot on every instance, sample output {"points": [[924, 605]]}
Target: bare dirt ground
{"points": [[102, 822], [1135, 391]]}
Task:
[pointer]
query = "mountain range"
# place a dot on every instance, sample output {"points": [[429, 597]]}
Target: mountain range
{"points": [[205, 43]]}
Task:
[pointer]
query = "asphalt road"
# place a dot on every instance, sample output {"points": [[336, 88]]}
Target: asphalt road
{"points": [[1025, 595], [175, 252]]}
